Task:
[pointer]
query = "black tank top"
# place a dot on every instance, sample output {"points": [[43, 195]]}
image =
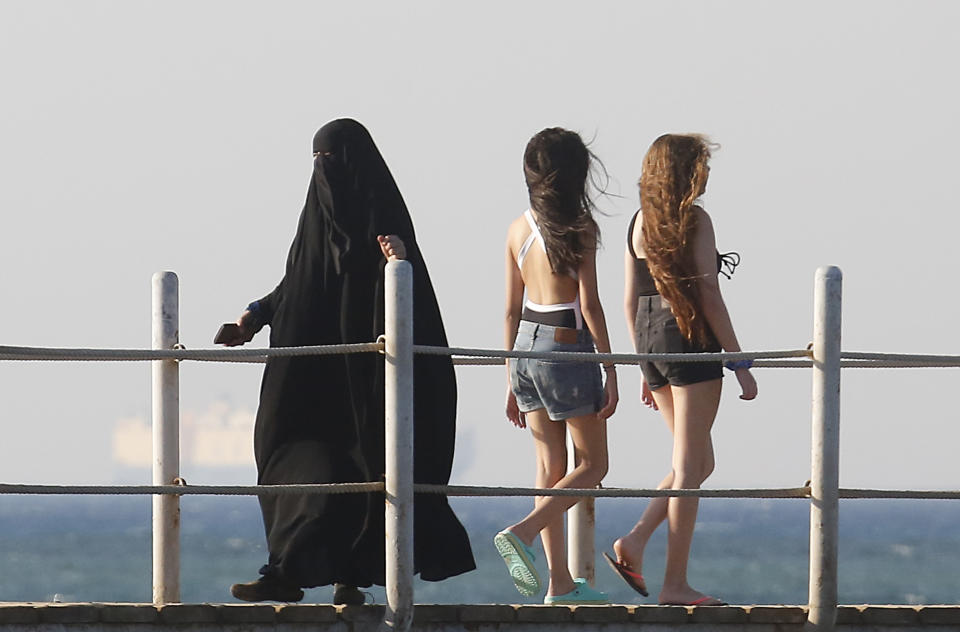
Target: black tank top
{"points": [[726, 264]]}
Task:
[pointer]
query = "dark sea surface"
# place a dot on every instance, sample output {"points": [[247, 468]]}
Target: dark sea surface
{"points": [[745, 551]]}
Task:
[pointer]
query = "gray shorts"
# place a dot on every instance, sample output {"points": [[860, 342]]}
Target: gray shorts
{"points": [[566, 389], [658, 332]]}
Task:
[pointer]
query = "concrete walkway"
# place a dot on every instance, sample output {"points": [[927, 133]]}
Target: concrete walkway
{"points": [[115, 617]]}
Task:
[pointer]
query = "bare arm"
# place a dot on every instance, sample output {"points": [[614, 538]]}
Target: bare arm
{"points": [[511, 322], [631, 300], [630, 295], [597, 324], [711, 300], [514, 302]]}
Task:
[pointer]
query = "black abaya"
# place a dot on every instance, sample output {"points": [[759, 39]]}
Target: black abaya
{"points": [[320, 418]]}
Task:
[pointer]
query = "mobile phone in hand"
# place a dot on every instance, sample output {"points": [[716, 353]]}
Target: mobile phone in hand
{"points": [[227, 333]]}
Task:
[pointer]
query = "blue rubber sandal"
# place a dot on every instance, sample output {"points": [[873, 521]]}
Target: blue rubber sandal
{"points": [[519, 559], [582, 595]]}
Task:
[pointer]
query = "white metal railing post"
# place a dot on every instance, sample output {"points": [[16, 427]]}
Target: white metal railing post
{"points": [[166, 439], [825, 450], [398, 312], [581, 520]]}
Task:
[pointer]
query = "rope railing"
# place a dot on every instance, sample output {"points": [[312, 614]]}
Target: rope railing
{"points": [[823, 356], [474, 356], [205, 355], [460, 491], [616, 358], [191, 490], [261, 354]]}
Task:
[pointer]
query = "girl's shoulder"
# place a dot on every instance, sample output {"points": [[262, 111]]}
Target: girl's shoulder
{"points": [[703, 234], [517, 231], [518, 226], [703, 223]]}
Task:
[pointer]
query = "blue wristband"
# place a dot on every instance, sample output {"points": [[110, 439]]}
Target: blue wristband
{"points": [[739, 364], [254, 307]]}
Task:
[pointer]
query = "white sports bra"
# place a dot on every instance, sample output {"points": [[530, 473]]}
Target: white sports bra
{"points": [[535, 235]]}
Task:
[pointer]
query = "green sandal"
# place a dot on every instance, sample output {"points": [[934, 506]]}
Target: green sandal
{"points": [[581, 595], [519, 559]]}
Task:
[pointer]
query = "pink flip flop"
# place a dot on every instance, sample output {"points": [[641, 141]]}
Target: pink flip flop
{"points": [[634, 580]]}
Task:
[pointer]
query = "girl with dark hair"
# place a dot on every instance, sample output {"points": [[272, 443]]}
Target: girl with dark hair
{"points": [[673, 305], [551, 255], [320, 418]]}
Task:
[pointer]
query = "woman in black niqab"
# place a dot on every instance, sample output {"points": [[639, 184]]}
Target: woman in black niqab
{"points": [[321, 418]]}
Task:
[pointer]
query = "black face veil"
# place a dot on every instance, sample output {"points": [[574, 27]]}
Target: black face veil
{"points": [[320, 418]]}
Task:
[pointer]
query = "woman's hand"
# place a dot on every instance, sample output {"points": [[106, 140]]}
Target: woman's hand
{"points": [[611, 396], [246, 328], [748, 385], [392, 247], [514, 415], [646, 396]]}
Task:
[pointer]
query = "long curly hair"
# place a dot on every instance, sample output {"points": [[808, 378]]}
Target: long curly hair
{"points": [[557, 166], [674, 175]]}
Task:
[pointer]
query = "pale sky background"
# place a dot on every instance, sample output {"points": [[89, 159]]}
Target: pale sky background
{"points": [[144, 136]]}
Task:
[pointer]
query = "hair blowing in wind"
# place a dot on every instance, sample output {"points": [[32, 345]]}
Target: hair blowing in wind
{"points": [[674, 175], [556, 165]]}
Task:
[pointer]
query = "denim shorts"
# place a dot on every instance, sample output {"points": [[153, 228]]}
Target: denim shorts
{"points": [[566, 389], [658, 332]]}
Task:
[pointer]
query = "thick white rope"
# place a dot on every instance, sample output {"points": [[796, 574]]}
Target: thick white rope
{"points": [[468, 356], [186, 490], [209, 355], [617, 358], [612, 492], [454, 490], [766, 364], [905, 360], [900, 493]]}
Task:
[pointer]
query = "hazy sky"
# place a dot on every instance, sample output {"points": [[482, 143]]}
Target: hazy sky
{"points": [[146, 136]]}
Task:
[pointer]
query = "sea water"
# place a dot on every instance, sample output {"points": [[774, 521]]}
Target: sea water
{"points": [[746, 551]]}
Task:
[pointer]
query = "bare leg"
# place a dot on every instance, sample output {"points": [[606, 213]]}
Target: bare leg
{"points": [[550, 439], [589, 436], [695, 408], [629, 549]]}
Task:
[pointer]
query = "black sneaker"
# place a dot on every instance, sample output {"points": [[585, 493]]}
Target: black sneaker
{"points": [[267, 588], [346, 595]]}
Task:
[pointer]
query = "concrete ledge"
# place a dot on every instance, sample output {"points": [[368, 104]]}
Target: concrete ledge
{"points": [[47, 617], [19, 613], [307, 613], [890, 615], [71, 613], [776, 614], [362, 615], [544, 614], [940, 615], [246, 613], [601, 614], [180, 613], [847, 615], [439, 613], [718, 614], [487, 613], [661, 614], [129, 613]]}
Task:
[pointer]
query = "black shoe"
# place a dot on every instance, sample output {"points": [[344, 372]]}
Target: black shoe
{"points": [[346, 595], [267, 588]]}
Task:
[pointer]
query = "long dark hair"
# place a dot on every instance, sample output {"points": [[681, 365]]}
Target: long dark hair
{"points": [[556, 165]]}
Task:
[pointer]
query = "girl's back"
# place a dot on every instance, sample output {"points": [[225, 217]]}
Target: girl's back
{"points": [[527, 252]]}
